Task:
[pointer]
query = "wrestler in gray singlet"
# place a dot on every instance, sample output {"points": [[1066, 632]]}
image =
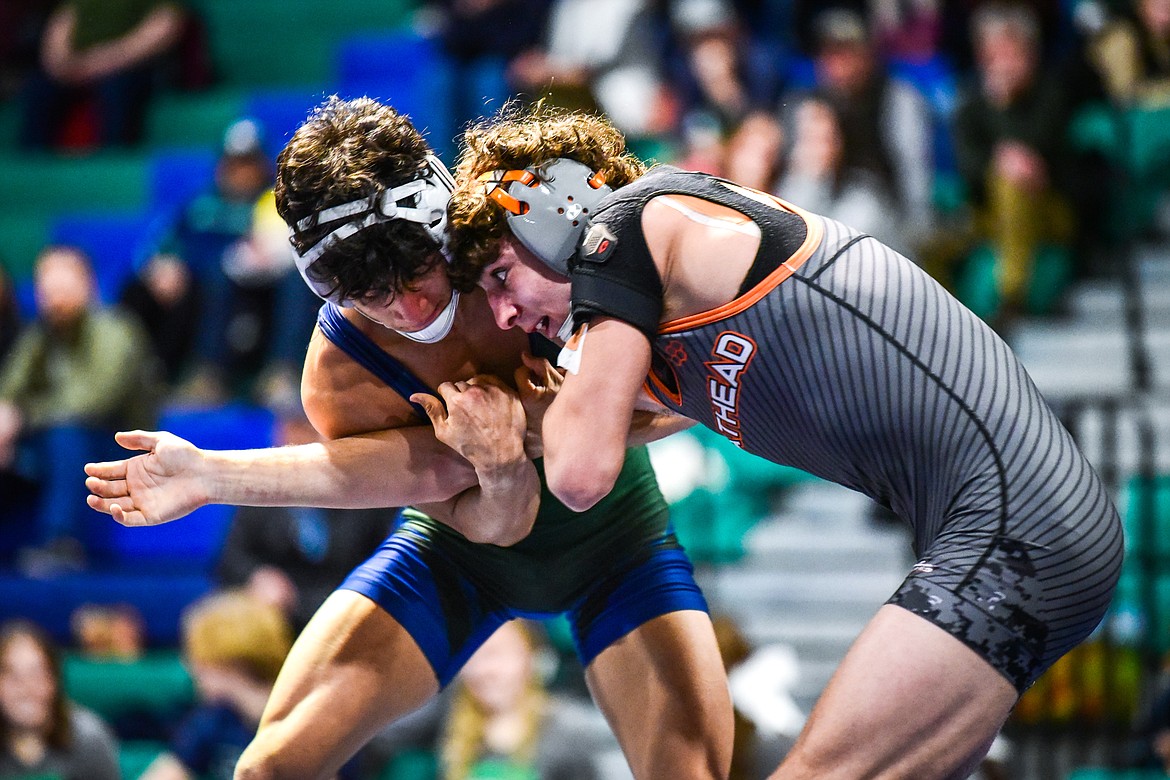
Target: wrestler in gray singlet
{"points": [[843, 358]]}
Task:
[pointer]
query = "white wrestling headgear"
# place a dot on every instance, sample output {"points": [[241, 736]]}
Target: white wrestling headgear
{"points": [[549, 210], [423, 200]]}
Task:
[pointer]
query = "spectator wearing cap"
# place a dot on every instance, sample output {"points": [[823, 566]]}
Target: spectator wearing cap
{"points": [[256, 314], [886, 124], [106, 52]]}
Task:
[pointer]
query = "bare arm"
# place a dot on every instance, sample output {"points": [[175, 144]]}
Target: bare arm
{"points": [[173, 477], [586, 427], [153, 35]]}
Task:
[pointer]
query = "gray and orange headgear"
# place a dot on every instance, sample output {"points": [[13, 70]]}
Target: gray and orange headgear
{"points": [[549, 206]]}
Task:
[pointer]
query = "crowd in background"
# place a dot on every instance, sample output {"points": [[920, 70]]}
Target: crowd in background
{"points": [[987, 141]]}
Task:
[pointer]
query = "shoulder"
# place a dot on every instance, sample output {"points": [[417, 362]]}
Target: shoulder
{"points": [[89, 727]]}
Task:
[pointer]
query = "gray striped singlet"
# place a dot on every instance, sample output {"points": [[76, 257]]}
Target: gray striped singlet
{"points": [[851, 363]]}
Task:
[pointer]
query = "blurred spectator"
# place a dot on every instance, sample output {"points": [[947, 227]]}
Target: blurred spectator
{"points": [[482, 37], [101, 53], [9, 313], [503, 723], [164, 297], [819, 177], [1010, 145], [720, 71], [21, 22], [42, 733], [294, 557], [886, 124], [108, 631], [257, 314], [78, 373], [909, 30], [757, 751], [1132, 53], [755, 152], [598, 54], [233, 646]]}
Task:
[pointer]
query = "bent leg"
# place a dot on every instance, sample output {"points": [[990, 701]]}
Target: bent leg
{"points": [[908, 701], [663, 690], [353, 670]]}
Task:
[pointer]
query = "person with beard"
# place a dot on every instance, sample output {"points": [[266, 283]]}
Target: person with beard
{"points": [[77, 373]]}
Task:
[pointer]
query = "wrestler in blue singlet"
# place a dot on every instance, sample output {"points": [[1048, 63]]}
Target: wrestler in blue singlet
{"points": [[610, 569]]}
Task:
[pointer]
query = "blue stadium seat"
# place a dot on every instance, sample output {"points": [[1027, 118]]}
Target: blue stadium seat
{"points": [[191, 543], [117, 243], [159, 597], [280, 112], [408, 71], [178, 175]]}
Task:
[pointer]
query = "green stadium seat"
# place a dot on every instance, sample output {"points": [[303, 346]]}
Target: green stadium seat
{"points": [[193, 119], [1140, 497], [38, 184], [157, 683], [21, 237], [135, 755], [1100, 773], [417, 764]]}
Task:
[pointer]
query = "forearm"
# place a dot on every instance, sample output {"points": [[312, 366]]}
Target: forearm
{"points": [[389, 468], [154, 35], [647, 426], [502, 508]]}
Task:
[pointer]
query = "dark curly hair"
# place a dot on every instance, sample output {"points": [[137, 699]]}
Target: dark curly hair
{"points": [[515, 138], [347, 150]]}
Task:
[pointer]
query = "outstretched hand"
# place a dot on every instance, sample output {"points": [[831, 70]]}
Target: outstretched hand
{"points": [[538, 382], [161, 485], [483, 420]]}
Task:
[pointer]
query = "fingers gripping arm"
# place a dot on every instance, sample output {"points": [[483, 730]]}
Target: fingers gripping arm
{"points": [[484, 422]]}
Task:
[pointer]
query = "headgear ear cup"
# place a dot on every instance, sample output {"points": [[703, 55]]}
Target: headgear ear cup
{"points": [[548, 206]]}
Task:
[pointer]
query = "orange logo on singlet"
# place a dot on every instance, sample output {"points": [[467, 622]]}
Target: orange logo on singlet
{"points": [[676, 353], [734, 353]]}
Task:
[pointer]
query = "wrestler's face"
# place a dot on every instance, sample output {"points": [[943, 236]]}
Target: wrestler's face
{"points": [[524, 292], [412, 309]]}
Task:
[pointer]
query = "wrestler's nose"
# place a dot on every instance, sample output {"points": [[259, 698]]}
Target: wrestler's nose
{"points": [[506, 312]]}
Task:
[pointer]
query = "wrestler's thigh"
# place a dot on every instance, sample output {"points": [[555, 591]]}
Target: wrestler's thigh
{"points": [[909, 700], [663, 690], [353, 670]]}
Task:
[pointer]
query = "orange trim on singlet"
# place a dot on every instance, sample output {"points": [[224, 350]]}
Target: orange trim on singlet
{"points": [[816, 231], [652, 381]]}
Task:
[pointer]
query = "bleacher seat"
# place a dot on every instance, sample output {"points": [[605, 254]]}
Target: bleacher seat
{"points": [[179, 174], [117, 243], [408, 71], [38, 184], [198, 119], [280, 113], [134, 756], [159, 595], [191, 543], [156, 683]]}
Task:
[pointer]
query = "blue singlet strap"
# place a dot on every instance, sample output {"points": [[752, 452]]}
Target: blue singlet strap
{"points": [[345, 335]]}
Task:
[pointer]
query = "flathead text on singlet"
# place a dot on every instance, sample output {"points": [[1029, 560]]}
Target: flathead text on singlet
{"points": [[732, 354]]}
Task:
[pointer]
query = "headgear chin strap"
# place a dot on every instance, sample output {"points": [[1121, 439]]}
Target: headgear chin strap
{"points": [[423, 200], [549, 210], [437, 330]]}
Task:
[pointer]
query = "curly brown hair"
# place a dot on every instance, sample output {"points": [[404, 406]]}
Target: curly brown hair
{"points": [[347, 150], [515, 138]]}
